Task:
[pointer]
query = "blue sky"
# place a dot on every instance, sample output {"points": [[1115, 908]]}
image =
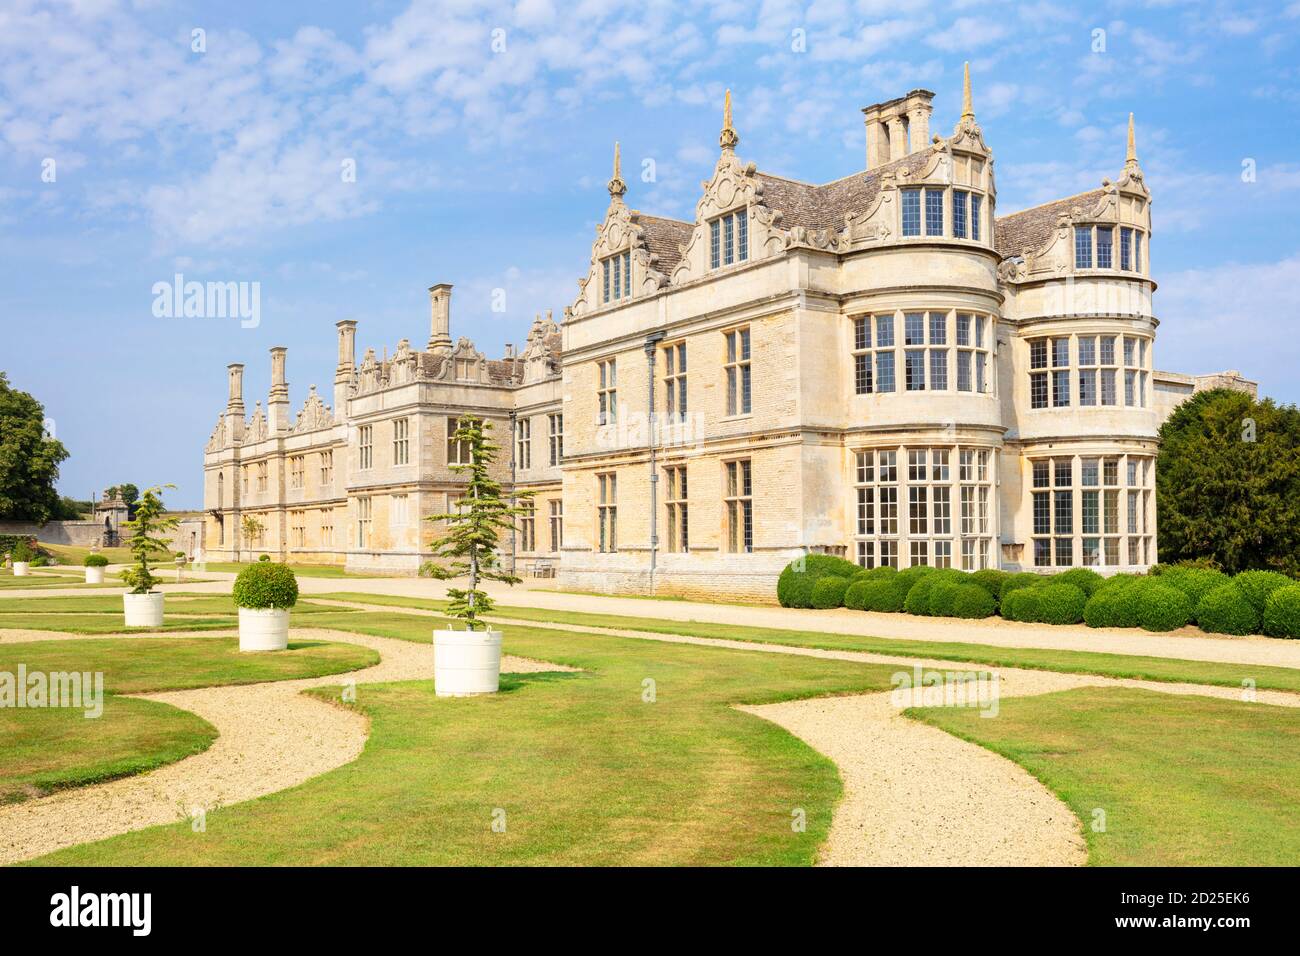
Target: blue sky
{"points": [[486, 168]]}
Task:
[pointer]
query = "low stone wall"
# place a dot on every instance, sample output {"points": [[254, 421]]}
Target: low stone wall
{"points": [[80, 534]]}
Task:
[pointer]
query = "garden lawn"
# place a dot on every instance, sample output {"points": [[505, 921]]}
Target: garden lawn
{"points": [[579, 767], [48, 748], [303, 570], [1032, 658], [1183, 781]]}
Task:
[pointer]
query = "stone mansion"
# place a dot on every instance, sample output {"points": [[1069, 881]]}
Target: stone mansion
{"points": [[878, 367]]}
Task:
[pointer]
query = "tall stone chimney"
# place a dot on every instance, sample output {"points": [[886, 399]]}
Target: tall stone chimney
{"points": [[440, 316], [277, 403], [347, 364], [898, 127], [235, 403]]}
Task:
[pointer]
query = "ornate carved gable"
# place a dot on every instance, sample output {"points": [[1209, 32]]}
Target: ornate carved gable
{"points": [[315, 414], [464, 363], [625, 230], [217, 440], [256, 429], [541, 355], [405, 364]]}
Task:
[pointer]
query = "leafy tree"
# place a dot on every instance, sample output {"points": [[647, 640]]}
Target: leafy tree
{"points": [[1228, 483], [150, 521], [472, 532], [29, 459], [252, 529]]}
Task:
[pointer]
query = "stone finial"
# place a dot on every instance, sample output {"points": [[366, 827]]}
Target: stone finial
{"points": [[728, 138], [967, 110], [1131, 158], [616, 185]]}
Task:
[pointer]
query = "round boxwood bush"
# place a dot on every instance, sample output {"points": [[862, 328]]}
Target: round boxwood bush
{"points": [[1085, 579], [829, 591], [973, 600], [1021, 579], [1227, 610], [1282, 612], [1060, 603], [795, 585], [909, 576], [1258, 585], [855, 594], [943, 596], [96, 561], [1102, 608], [1021, 604], [266, 585], [918, 595], [991, 580], [882, 573], [1161, 607], [885, 595], [1194, 582]]}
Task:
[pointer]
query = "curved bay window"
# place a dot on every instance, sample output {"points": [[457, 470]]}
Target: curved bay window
{"points": [[924, 505], [941, 351], [1093, 510]]}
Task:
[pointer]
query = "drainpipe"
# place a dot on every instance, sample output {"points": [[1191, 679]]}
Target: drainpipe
{"points": [[514, 444], [651, 347]]}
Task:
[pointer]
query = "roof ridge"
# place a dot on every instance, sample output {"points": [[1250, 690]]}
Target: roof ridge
{"points": [[1095, 189]]}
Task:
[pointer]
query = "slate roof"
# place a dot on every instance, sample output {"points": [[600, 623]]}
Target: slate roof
{"points": [[663, 237], [827, 205], [1031, 228]]}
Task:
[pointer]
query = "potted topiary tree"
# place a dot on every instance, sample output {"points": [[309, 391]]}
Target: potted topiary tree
{"points": [[22, 558], [95, 564], [143, 605], [264, 592], [469, 661]]}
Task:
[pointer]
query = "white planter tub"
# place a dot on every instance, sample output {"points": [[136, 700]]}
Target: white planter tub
{"points": [[466, 662], [143, 610], [94, 575], [263, 629], [20, 569]]}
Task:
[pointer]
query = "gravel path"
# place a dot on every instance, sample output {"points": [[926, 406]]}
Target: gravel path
{"points": [[271, 737]]}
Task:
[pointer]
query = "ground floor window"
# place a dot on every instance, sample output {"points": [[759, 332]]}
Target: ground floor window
{"points": [[1092, 510], [527, 526], [945, 494], [557, 524]]}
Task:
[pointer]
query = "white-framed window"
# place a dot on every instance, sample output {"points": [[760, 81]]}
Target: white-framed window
{"points": [[365, 447], [616, 276], [675, 381], [263, 477], [1135, 374], [675, 503], [739, 501], [363, 522], [458, 452], [947, 492], [297, 470], [524, 443], [528, 526], [738, 375], [607, 510], [399, 511], [1049, 372], [920, 329], [555, 427], [1095, 248], [298, 528], [922, 211], [401, 441], [1091, 510], [326, 468], [243, 475], [873, 358], [728, 239], [556, 518], [327, 528], [607, 392]]}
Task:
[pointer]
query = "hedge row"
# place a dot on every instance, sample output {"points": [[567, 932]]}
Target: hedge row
{"points": [[1169, 598]]}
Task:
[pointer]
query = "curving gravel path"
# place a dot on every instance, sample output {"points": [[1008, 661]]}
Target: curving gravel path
{"points": [[271, 737]]}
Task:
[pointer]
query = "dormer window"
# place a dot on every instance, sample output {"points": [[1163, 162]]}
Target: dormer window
{"points": [[728, 239], [912, 205], [1102, 239], [616, 273], [1105, 246]]}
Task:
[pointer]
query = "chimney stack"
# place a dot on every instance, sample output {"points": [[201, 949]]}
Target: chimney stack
{"points": [[277, 403], [235, 400], [510, 350], [440, 316], [898, 127], [347, 363]]}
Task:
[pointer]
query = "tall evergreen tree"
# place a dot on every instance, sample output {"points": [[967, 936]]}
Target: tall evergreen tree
{"points": [[1228, 483], [29, 459]]}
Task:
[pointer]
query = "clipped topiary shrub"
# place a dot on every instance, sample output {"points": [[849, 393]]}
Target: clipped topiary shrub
{"points": [[1258, 585], [1021, 604], [943, 595], [1060, 603], [96, 561], [266, 585], [829, 591], [855, 594], [909, 576], [1085, 579], [991, 580], [918, 595], [1226, 610], [1119, 580], [1021, 579], [1101, 608], [795, 585], [973, 600], [1282, 612], [1161, 607], [1193, 582], [886, 595], [883, 573]]}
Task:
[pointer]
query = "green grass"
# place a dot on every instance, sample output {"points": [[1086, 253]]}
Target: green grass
{"points": [[69, 554], [81, 623], [1183, 781], [49, 582], [303, 570], [57, 748], [585, 770], [1065, 661], [50, 748]]}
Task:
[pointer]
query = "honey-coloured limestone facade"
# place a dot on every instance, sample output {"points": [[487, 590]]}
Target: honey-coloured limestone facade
{"points": [[877, 367]]}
